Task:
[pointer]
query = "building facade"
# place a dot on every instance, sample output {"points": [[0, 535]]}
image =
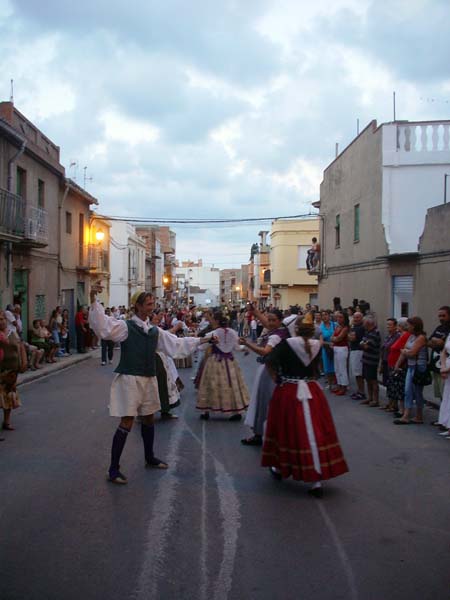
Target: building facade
{"points": [[196, 276], [127, 263], [258, 272], [291, 283], [230, 287], [376, 223], [33, 176]]}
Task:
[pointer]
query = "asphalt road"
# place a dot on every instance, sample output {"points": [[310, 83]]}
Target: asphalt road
{"points": [[215, 525]]}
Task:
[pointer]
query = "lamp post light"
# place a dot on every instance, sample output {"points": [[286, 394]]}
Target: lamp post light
{"points": [[99, 235]]}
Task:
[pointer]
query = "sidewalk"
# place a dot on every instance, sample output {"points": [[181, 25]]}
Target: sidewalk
{"points": [[62, 363]]}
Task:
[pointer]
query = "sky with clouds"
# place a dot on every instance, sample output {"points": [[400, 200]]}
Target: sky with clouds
{"points": [[197, 108]]}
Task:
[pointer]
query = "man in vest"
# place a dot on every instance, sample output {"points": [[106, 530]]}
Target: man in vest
{"points": [[134, 390]]}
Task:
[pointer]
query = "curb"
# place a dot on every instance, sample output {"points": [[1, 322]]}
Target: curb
{"points": [[61, 365]]}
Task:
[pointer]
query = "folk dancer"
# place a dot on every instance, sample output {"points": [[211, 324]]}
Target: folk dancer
{"points": [[263, 385], [134, 390], [300, 438], [221, 386]]}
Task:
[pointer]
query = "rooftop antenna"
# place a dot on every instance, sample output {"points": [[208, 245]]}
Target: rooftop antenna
{"points": [[85, 177], [393, 99], [11, 96], [357, 126], [74, 163]]}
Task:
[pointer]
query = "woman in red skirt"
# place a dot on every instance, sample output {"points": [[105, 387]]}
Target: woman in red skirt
{"points": [[300, 439]]}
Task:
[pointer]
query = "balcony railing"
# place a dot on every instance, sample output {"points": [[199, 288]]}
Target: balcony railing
{"points": [[20, 220], [12, 214], [36, 229], [97, 259], [424, 137]]}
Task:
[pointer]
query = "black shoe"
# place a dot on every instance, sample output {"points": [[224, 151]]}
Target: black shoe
{"points": [[204, 416], [398, 415], [156, 463], [237, 417], [317, 492], [275, 473], [115, 476], [256, 440]]}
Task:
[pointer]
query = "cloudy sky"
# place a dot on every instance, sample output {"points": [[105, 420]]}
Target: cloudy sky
{"points": [[201, 108]]}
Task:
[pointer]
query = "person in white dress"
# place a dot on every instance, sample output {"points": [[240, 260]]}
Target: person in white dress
{"points": [[444, 410], [134, 390]]}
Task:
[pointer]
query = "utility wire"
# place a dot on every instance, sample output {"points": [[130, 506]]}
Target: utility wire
{"points": [[159, 220]]}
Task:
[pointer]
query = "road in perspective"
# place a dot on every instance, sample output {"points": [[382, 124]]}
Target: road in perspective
{"points": [[215, 525]]}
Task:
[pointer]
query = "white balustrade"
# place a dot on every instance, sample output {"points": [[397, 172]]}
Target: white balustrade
{"points": [[423, 137]]}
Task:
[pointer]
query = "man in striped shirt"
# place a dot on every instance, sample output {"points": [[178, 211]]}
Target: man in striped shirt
{"points": [[371, 347]]}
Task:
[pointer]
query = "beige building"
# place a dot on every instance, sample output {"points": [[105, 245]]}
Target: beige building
{"points": [[258, 272], [44, 224], [291, 284], [384, 225], [230, 287], [84, 248], [34, 177]]}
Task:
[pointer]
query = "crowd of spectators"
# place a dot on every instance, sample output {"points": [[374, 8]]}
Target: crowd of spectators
{"points": [[353, 352]]}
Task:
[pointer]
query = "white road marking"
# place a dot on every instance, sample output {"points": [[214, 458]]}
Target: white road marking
{"points": [[158, 528], [203, 526], [230, 509], [340, 550]]}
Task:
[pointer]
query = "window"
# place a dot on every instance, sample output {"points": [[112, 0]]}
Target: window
{"points": [[338, 230], [39, 307], [81, 239], [68, 222], [21, 183], [403, 293], [356, 223], [41, 194]]}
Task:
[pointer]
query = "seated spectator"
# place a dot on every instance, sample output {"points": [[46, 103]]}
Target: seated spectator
{"points": [[415, 354], [54, 328], [370, 345], [42, 339]]}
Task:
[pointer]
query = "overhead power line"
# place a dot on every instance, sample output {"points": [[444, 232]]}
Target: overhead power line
{"points": [[160, 220]]}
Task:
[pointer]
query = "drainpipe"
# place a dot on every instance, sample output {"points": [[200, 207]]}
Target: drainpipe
{"points": [[9, 180], [11, 161]]}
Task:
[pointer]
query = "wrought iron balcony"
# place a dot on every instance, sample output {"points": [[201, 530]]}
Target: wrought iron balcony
{"points": [[97, 259], [36, 228], [12, 216], [20, 222]]}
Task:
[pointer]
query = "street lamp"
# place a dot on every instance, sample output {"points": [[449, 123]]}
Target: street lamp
{"points": [[99, 235]]}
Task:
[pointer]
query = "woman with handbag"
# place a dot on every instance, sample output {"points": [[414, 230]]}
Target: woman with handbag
{"points": [[9, 368], [415, 353]]}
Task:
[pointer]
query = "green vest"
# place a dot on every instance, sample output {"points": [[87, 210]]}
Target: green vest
{"points": [[137, 352]]}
